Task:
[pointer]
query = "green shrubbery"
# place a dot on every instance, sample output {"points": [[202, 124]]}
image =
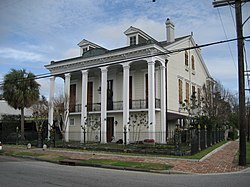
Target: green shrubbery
{"points": [[233, 135]]}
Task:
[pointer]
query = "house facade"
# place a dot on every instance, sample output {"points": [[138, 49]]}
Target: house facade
{"points": [[130, 93]]}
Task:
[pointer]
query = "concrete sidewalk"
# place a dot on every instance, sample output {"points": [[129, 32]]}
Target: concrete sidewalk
{"points": [[221, 160]]}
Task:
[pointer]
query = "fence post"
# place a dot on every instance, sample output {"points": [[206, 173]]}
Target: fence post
{"points": [[17, 131], [177, 140], [39, 137], [199, 137], [125, 135], [205, 129], [84, 135]]}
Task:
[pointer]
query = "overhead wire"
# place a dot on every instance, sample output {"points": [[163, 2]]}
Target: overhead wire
{"points": [[224, 30], [245, 55], [46, 75]]}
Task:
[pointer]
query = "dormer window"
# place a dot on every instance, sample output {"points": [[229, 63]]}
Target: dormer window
{"points": [[132, 40], [136, 36], [86, 46], [85, 49]]}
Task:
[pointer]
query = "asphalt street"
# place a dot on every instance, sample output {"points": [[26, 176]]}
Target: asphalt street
{"points": [[25, 172]]}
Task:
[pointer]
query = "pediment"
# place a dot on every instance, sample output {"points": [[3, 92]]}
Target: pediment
{"points": [[131, 30], [85, 42]]}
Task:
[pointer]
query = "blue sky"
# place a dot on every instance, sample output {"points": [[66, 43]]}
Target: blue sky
{"points": [[35, 32]]}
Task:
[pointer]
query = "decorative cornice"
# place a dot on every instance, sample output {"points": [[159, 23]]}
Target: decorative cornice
{"points": [[78, 64]]}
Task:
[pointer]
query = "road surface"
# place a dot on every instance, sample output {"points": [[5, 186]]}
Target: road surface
{"points": [[24, 172]]}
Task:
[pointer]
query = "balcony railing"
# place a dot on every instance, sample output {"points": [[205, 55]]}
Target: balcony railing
{"points": [[116, 105]]}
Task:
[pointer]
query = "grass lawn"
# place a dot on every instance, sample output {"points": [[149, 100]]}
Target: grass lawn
{"points": [[248, 152], [20, 153], [204, 152], [128, 164], [28, 154]]}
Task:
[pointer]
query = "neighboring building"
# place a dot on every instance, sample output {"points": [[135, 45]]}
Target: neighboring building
{"points": [[6, 132], [6, 109], [130, 88]]}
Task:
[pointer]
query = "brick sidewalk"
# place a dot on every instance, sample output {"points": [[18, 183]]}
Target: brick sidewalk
{"points": [[223, 160]]}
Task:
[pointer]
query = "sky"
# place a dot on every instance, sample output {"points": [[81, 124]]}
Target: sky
{"points": [[35, 32]]}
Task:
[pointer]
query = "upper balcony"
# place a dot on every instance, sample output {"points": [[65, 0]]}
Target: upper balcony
{"points": [[116, 106]]}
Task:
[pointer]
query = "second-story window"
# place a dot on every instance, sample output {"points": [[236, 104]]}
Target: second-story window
{"points": [[180, 92], [132, 40], [186, 58], [192, 61]]}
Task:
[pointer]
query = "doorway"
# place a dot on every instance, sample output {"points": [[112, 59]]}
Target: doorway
{"points": [[110, 128]]}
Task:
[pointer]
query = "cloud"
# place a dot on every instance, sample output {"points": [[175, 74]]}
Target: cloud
{"points": [[72, 52], [20, 55], [45, 87]]}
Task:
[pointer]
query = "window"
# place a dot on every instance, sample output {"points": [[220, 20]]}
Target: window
{"points": [[71, 121], [180, 92], [199, 95], [186, 58], [192, 61], [84, 49], [72, 99], [132, 40], [193, 90], [187, 92]]}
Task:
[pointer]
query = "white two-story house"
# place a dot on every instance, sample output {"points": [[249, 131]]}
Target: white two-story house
{"points": [[135, 89]]}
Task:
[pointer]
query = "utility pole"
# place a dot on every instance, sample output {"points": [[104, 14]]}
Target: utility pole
{"points": [[241, 78]]}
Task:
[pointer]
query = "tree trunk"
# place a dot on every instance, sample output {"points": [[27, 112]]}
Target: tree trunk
{"points": [[22, 124]]}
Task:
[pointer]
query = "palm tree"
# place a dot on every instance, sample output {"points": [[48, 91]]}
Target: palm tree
{"points": [[20, 90]]}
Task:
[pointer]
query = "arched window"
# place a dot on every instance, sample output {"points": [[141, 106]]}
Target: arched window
{"points": [[180, 92], [186, 58], [192, 61]]}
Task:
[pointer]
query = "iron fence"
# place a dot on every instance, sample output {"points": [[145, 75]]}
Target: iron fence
{"points": [[179, 141]]}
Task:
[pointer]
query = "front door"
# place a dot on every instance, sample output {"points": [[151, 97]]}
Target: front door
{"points": [[110, 128]]}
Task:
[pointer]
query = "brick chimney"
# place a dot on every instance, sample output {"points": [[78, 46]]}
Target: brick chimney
{"points": [[170, 30]]}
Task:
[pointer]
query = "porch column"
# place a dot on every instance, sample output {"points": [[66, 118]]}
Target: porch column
{"points": [[151, 98], [125, 102], [84, 104], [163, 105], [66, 105], [51, 104], [104, 75]]}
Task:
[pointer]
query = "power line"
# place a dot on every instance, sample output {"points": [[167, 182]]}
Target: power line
{"points": [[230, 50], [46, 75]]}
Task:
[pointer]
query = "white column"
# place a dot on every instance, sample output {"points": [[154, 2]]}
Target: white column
{"points": [[84, 103], [104, 75], [151, 99], [66, 105], [51, 104], [163, 105], [125, 101]]}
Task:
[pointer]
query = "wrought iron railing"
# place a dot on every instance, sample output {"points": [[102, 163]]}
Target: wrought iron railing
{"points": [[116, 105]]}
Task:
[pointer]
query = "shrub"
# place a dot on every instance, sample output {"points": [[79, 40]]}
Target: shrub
{"points": [[149, 141]]}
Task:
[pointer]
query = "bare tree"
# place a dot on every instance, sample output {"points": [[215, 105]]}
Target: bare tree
{"points": [[137, 122], [219, 104], [40, 115], [61, 111], [92, 125]]}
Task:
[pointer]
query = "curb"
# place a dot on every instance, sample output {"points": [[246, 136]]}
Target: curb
{"points": [[77, 163]]}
